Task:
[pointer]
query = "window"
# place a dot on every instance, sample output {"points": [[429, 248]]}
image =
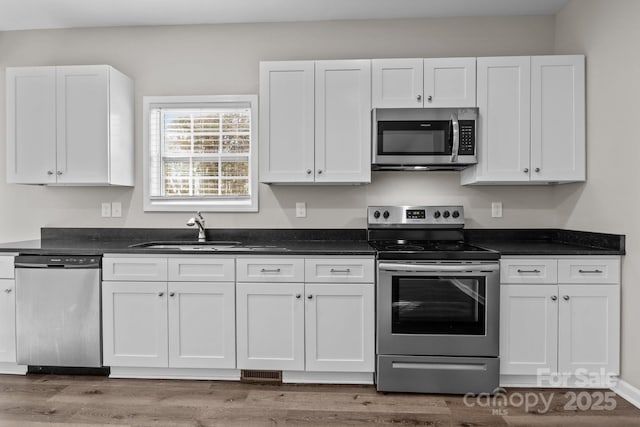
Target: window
{"points": [[200, 153]]}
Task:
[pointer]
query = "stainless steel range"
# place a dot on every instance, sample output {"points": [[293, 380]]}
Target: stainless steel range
{"points": [[437, 303]]}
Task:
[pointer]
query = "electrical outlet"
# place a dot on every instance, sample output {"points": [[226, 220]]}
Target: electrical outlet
{"points": [[116, 209], [496, 209], [106, 210], [301, 210]]}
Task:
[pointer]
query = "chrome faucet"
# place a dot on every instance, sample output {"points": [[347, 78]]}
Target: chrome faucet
{"points": [[199, 221]]}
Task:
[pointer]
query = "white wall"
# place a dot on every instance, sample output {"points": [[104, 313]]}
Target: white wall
{"points": [[223, 59], [607, 32]]}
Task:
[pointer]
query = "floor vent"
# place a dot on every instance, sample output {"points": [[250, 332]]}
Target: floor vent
{"points": [[257, 376]]}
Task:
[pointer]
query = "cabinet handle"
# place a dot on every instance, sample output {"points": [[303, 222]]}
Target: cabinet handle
{"points": [[430, 98], [419, 98], [298, 296], [308, 171], [335, 270], [554, 298], [319, 171], [537, 169], [172, 294], [267, 270], [160, 294], [49, 173], [596, 271], [8, 290], [309, 296], [526, 170], [566, 297], [529, 271]]}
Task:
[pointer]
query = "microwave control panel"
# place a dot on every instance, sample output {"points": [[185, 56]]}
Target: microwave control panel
{"points": [[467, 137]]}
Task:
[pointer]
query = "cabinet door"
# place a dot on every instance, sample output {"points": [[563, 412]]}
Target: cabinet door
{"points": [[589, 332], [339, 327], [504, 119], [202, 320], [558, 118], [286, 121], [134, 324], [450, 82], [270, 326], [7, 321], [343, 121], [31, 125], [83, 124], [528, 329], [397, 83]]}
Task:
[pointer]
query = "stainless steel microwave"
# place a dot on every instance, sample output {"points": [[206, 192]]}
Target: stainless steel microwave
{"points": [[424, 138]]}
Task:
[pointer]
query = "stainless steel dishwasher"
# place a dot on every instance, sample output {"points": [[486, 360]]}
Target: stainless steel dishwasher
{"points": [[58, 310]]}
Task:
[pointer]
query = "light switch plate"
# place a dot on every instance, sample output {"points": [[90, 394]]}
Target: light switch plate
{"points": [[106, 210], [496, 209], [116, 209], [301, 210]]}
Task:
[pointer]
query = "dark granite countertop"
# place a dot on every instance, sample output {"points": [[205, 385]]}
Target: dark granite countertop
{"points": [[97, 241], [551, 242]]}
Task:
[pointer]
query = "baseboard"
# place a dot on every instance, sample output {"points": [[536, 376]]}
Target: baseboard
{"points": [[13, 369], [304, 377], [628, 392]]}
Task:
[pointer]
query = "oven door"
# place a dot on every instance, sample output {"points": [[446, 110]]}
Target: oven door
{"points": [[438, 309]]}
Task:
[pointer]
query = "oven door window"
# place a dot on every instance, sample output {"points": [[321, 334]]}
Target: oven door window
{"points": [[414, 138], [438, 305]]}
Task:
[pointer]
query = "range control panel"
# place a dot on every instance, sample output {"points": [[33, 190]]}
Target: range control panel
{"points": [[422, 216]]}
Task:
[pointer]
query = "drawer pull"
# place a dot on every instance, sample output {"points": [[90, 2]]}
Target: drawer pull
{"points": [[335, 270], [596, 271], [269, 270], [536, 271]]}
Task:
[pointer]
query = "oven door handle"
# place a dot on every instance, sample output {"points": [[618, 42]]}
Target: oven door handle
{"points": [[411, 268]]}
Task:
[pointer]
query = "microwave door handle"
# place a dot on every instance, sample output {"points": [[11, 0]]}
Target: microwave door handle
{"points": [[456, 138]]}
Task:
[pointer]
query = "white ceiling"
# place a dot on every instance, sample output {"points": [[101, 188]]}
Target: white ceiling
{"points": [[41, 14]]}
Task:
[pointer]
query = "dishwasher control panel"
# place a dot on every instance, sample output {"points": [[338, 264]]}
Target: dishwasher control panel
{"points": [[64, 261]]}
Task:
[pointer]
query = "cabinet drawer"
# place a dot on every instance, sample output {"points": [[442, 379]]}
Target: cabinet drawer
{"points": [[360, 270], [595, 270], [136, 269], [202, 269], [270, 270], [6, 267], [528, 271]]}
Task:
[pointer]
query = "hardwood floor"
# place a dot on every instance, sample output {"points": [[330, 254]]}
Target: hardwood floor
{"points": [[53, 400]]}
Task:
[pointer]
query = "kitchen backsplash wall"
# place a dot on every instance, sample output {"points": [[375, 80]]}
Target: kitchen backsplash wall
{"points": [[223, 59]]}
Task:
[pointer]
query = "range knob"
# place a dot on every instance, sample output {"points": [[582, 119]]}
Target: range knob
{"points": [[436, 214], [455, 214], [385, 214], [446, 214], [376, 214]]}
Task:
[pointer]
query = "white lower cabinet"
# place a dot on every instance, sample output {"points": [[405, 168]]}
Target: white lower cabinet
{"points": [[339, 332], [270, 321], [188, 323], [134, 325], [312, 327], [325, 325], [7, 321], [571, 329]]}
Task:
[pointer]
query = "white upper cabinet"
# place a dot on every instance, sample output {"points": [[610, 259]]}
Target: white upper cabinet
{"points": [[417, 83], [558, 118], [397, 83], [69, 125], [450, 82], [286, 121], [531, 120], [315, 122]]}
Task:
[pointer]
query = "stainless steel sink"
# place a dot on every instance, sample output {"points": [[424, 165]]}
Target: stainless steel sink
{"points": [[209, 246]]}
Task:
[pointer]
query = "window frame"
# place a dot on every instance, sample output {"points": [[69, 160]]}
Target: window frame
{"points": [[205, 204]]}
